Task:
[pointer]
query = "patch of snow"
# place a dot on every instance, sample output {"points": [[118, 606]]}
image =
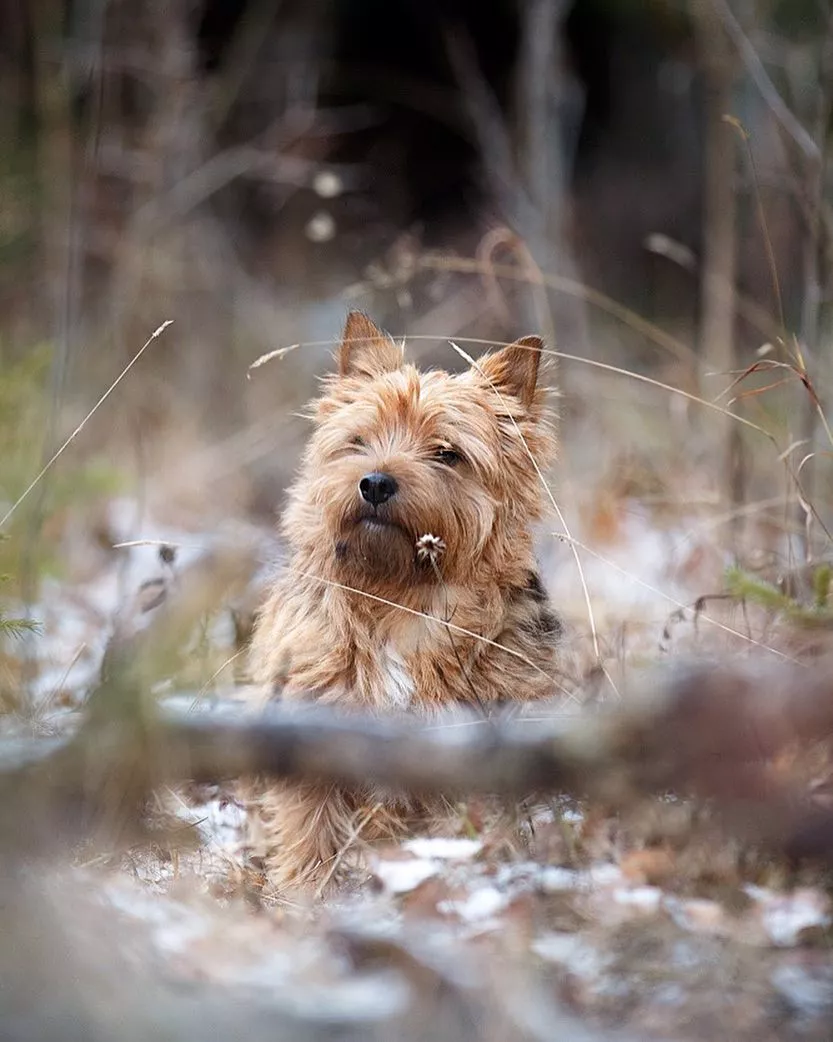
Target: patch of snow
{"points": [[523, 875], [219, 822], [76, 617], [685, 955], [645, 898], [604, 874], [571, 951], [399, 877], [699, 915], [668, 994], [634, 571], [174, 927], [808, 989], [553, 879], [373, 996], [572, 817], [542, 816], [785, 917], [479, 905], [443, 849]]}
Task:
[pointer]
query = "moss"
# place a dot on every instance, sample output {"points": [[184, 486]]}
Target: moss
{"points": [[752, 588]]}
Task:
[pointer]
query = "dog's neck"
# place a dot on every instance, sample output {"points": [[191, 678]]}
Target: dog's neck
{"points": [[429, 590], [382, 612]]}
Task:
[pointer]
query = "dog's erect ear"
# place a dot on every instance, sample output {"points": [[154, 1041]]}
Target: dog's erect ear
{"points": [[365, 350], [514, 370]]}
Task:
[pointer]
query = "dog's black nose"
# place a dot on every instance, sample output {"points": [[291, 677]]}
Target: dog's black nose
{"points": [[377, 487]]}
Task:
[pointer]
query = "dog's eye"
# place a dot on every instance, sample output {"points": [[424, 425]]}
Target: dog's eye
{"points": [[358, 442], [448, 457]]}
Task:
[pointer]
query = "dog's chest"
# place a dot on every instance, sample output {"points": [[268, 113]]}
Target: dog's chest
{"points": [[412, 666], [397, 668], [394, 677], [395, 664]]}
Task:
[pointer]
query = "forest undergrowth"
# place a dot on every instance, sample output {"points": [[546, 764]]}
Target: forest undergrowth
{"points": [[658, 917]]}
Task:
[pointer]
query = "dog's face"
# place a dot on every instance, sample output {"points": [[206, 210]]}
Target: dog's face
{"points": [[398, 456]]}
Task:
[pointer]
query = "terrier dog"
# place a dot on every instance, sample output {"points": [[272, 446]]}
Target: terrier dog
{"points": [[411, 582]]}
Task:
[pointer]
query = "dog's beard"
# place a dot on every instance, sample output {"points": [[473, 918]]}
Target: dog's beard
{"points": [[381, 550], [376, 548]]}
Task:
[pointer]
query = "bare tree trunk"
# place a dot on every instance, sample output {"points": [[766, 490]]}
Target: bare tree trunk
{"points": [[541, 97], [812, 260], [523, 162], [717, 314], [56, 170]]}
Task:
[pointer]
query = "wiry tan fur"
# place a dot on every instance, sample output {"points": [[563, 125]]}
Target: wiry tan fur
{"points": [[317, 640]]}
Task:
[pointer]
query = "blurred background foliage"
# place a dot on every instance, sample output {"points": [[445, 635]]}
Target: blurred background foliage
{"points": [[252, 168]]}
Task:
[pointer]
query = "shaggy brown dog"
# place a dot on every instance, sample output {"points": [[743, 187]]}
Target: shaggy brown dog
{"points": [[411, 582]]}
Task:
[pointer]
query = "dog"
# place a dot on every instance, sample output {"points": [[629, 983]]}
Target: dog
{"points": [[411, 583]]}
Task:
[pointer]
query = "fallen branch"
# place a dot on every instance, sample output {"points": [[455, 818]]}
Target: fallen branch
{"points": [[705, 731]]}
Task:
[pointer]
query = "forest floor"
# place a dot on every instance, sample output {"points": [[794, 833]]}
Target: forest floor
{"points": [[557, 920]]}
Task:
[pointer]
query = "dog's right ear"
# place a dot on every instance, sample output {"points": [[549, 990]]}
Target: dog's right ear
{"points": [[365, 350], [514, 369]]}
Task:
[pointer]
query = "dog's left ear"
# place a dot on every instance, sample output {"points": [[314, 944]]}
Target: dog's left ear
{"points": [[514, 369], [365, 350]]}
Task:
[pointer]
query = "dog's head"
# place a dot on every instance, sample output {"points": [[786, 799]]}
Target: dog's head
{"points": [[412, 475]]}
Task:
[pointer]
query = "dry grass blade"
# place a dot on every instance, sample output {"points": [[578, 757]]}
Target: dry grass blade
{"points": [[640, 378], [353, 837], [47, 466], [619, 371], [270, 356], [798, 372], [570, 287], [220, 669], [769, 92], [737, 126], [762, 365], [567, 357], [593, 363], [755, 392]]}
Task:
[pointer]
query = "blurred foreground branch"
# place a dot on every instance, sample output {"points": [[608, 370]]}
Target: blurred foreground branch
{"points": [[705, 731]]}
